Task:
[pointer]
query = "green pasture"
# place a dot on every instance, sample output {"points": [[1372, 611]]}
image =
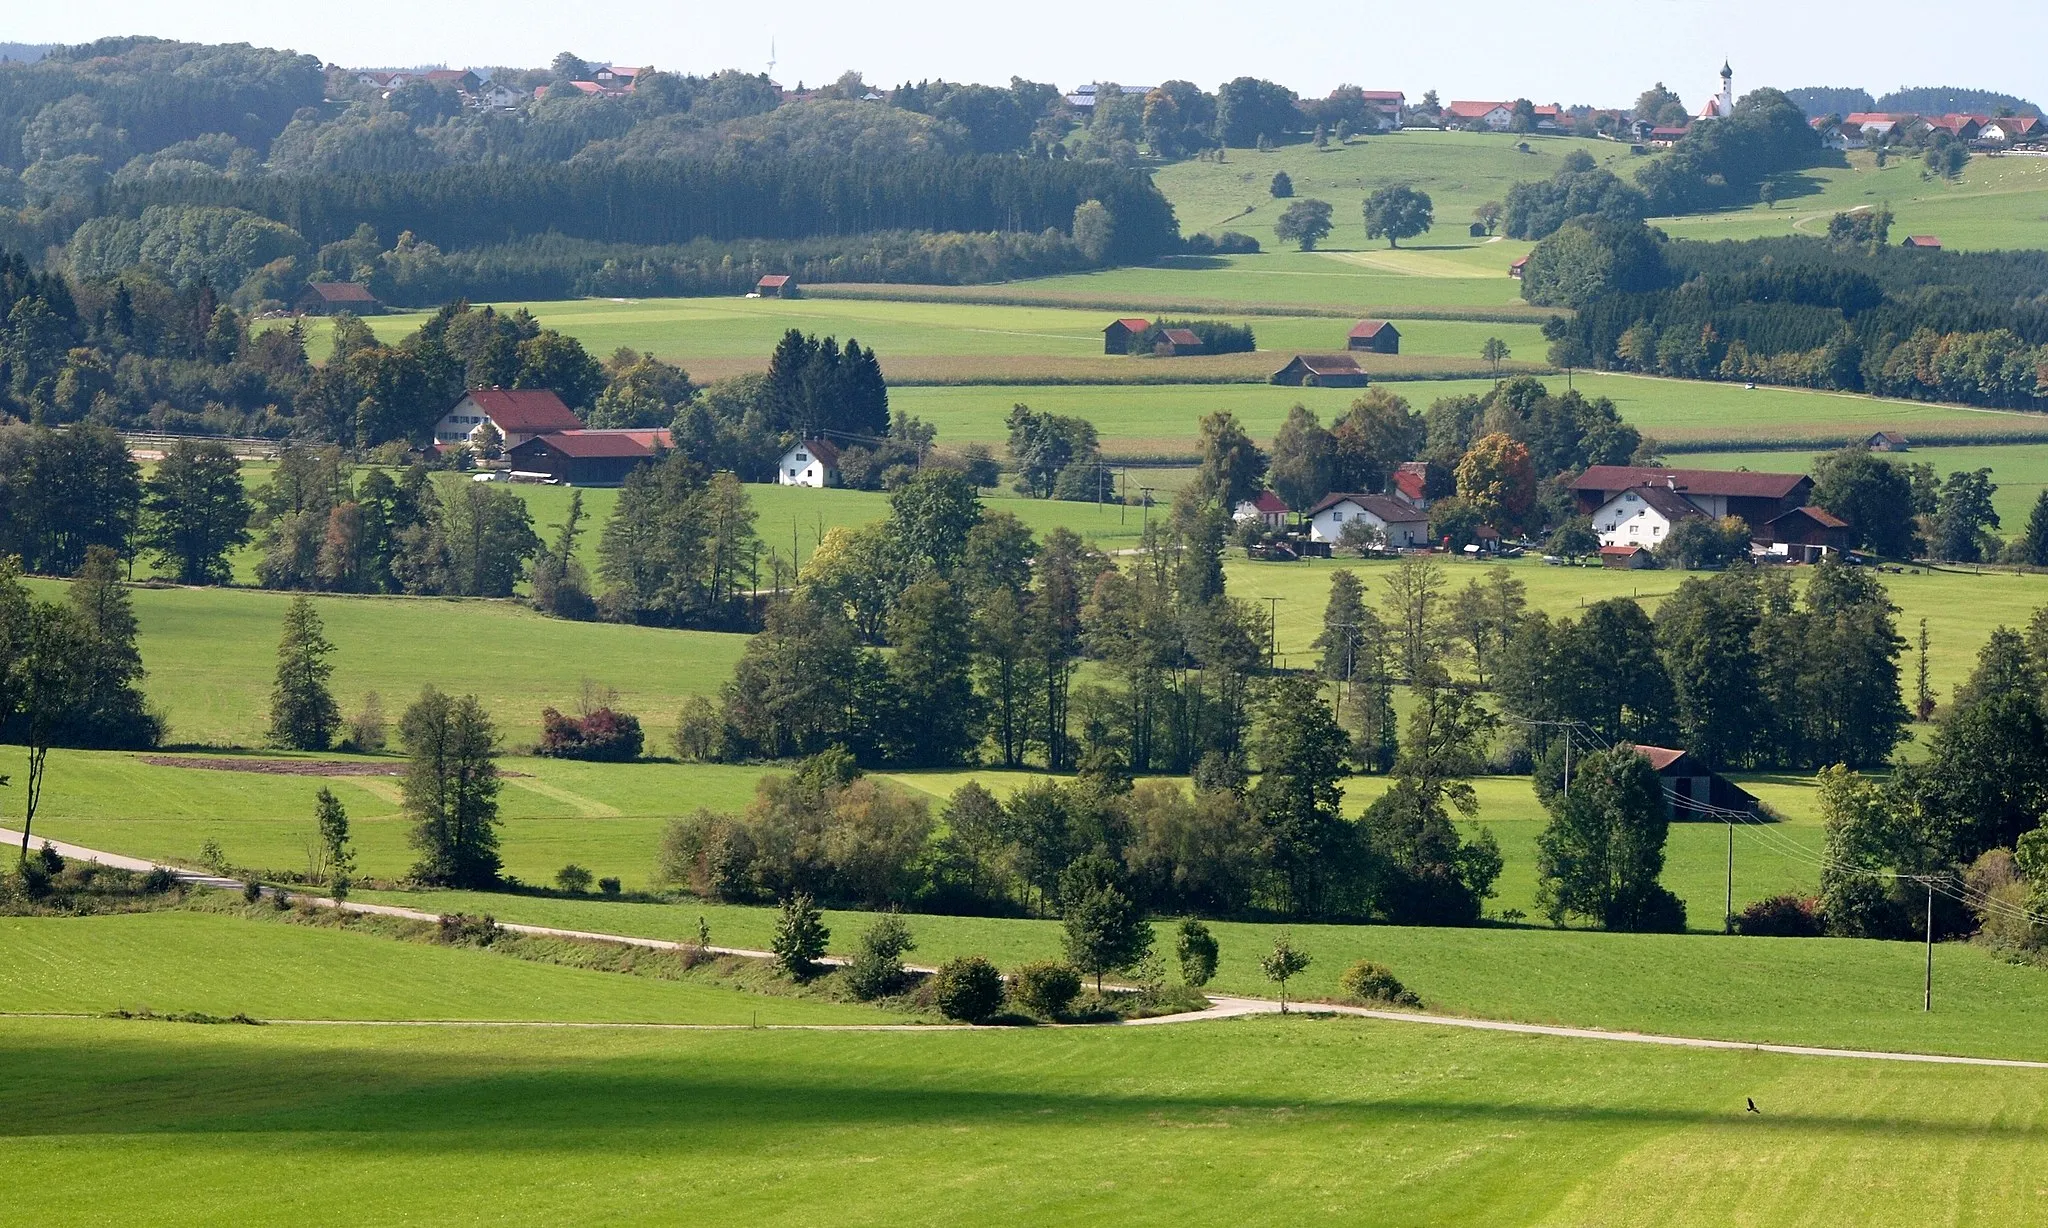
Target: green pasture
{"points": [[2020, 470], [1999, 202], [173, 962], [1459, 170], [1255, 1122]]}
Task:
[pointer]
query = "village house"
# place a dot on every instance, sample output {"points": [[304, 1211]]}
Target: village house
{"points": [[1321, 371], [1693, 791], [1402, 526], [1374, 336], [1643, 516], [1757, 498], [324, 298], [1410, 483], [587, 458], [1387, 105], [1515, 269], [1887, 441], [1177, 343], [2007, 129], [459, 79], [1269, 509], [776, 285], [1872, 123], [812, 462], [1117, 338], [1803, 535], [499, 97], [519, 414], [1494, 116]]}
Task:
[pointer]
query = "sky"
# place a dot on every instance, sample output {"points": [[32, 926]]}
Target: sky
{"points": [[1601, 52]]}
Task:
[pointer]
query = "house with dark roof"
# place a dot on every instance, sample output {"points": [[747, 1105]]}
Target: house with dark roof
{"points": [[459, 79], [1117, 337], [1693, 791], [812, 462], [324, 298], [1804, 535], [776, 285], [587, 458], [1177, 343], [1374, 336], [1402, 526], [1269, 509], [1929, 242], [1320, 371], [519, 414], [1754, 497], [1642, 516], [1887, 441]]}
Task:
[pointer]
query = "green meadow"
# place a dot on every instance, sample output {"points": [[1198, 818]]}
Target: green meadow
{"points": [[1253, 1122]]}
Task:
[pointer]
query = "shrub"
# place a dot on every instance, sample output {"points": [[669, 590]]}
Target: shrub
{"points": [[1196, 947], [611, 887], [700, 732], [213, 857], [603, 736], [461, 929], [1781, 916], [1371, 984], [877, 966], [800, 936], [158, 880], [968, 988], [573, 878], [1045, 988], [252, 890], [53, 861]]}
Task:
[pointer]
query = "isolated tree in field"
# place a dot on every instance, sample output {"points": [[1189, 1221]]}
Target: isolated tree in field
{"points": [[1195, 947], [1603, 851], [800, 936], [451, 790], [1105, 929], [1767, 191], [561, 586], [194, 511], [1283, 963], [303, 714], [1304, 223], [331, 822], [1398, 212], [1488, 215], [1496, 352], [1283, 186]]}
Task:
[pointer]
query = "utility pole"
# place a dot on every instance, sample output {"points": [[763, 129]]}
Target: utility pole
{"points": [[1728, 915], [1123, 498], [1145, 493], [1272, 628], [1567, 762], [1927, 993]]}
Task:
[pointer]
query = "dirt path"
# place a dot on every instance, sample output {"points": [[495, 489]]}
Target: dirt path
{"points": [[1221, 1006]]}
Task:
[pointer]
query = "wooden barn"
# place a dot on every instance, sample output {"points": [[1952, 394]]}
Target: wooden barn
{"points": [[1177, 343], [324, 298], [1117, 338], [587, 458], [1374, 336], [1321, 371], [1695, 792], [776, 285]]}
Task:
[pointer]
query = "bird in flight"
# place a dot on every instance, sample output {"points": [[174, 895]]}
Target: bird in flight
{"points": [[1752, 1105]]}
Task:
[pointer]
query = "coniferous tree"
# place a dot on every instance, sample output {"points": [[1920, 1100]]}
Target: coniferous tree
{"points": [[303, 714], [2034, 545], [194, 511], [109, 709], [331, 820], [451, 790], [560, 585]]}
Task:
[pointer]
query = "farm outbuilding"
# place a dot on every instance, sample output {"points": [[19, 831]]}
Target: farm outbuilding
{"points": [[324, 298], [1321, 371], [1930, 243], [1804, 535], [1374, 336], [1117, 338], [1515, 269], [1177, 343], [1887, 441], [776, 285], [588, 458], [1694, 791]]}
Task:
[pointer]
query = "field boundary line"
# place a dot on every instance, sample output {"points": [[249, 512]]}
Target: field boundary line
{"points": [[1221, 1006]]}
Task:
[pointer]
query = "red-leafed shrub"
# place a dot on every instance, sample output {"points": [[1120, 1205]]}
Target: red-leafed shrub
{"points": [[604, 735], [1781, 916]]}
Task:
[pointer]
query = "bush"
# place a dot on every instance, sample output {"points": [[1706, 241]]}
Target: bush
{"points": [[800, 936], [158, 880], [700, 733], [1781, 916], [461, 929], [1196, 947], [968, 988], [1045, 988], [53, 861], [611, 887], [876, 969], [1371, 984], [573, 878], [604, 736], [252, 890]]}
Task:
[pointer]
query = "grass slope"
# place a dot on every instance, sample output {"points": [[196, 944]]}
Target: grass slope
{"points": [[1266, 1122], [172, 962]]}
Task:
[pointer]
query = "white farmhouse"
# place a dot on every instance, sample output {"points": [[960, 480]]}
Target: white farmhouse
{"points": [[1269, 509], [1403, 526], [812, 462], [1643, 516], [518, 413]]}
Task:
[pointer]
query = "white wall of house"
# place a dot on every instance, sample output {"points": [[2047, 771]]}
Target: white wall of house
{"points": [[1328, 526], [460, 425], [1626, 520], [800, 467]]}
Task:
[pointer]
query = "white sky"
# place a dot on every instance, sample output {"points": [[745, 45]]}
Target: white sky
{"points": [[1602, 52]]}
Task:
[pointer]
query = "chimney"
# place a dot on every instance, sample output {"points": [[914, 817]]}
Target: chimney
{"points": [[1671, 482]]}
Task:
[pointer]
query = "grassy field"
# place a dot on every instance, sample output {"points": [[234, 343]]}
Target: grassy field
{"points": [[2020, 470], [173, 962], [1270, 1121], [1999, 202]]}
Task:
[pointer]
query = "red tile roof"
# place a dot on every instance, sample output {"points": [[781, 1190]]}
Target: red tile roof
{"points": [[1181, 336], [773, 281], [528, 411], [342, 291], [1329, 364], [1391, 510], [1382, 95], [1660, 757], [1133, 323], [588, 444], [824, 449], [1370, 328], [1667, 502], [1412, 480], [1728, 483], [1474, 110], [1923, 241], [1268, 502]]}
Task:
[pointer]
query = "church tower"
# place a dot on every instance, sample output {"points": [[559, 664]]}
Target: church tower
{"points": [[1724, 102]]}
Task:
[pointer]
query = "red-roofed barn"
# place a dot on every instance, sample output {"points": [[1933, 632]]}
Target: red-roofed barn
{"points": [[324, 298], [1374, 336], [588, 458], [1117, 338]]}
